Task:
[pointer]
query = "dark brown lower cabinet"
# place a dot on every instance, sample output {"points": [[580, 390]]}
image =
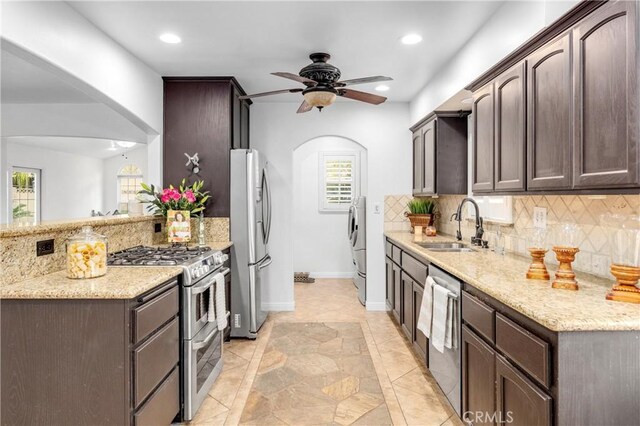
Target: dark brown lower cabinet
{"points": [[478, 380], [406, 316], [518, 400], [388, 266], [397, 293], [420, 341]]}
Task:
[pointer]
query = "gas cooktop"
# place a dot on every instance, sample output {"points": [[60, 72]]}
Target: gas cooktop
{"points": [[157, 256]]}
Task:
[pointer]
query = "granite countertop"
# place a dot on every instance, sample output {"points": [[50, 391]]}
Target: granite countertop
{"points": [[14, 230], [119, 283], [503, 278], [215, 245]]}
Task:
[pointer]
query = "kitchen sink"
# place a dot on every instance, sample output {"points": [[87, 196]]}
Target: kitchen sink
{"points": [[445, 247]]}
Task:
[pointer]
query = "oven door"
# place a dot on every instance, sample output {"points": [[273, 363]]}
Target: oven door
{"points": [[196, 303], [202, 365]]}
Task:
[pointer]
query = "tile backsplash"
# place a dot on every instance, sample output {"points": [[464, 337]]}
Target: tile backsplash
{"points": [[583, 210]]}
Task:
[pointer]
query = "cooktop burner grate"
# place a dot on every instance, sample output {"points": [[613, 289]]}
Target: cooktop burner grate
{"points": [[161, 256]]}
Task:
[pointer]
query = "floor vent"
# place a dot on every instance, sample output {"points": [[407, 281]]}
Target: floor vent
{"points": [[302, 277]]}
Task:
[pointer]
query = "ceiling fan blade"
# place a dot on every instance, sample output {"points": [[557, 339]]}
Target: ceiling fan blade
{"points": [[363, 80], [295, 77], [304, 107], [275, 92], [356, 95]]}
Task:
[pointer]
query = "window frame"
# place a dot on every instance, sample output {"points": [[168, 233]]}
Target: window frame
{"points": [[121, 176], [37, 187], [323, 205]]}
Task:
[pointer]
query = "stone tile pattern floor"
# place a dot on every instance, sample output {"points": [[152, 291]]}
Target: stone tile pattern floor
{"points": [[411, 396], [316, 372]]}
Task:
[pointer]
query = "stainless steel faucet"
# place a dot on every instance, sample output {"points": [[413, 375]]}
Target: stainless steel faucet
{"points": [[476, 239]]}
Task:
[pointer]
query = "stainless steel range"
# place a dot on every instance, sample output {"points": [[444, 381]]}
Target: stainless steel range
{"points": [[201, 359]]}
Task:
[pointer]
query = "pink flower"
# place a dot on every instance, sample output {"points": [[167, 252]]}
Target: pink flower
{"points": [[175, 195], [164, 198], [188, 194]]}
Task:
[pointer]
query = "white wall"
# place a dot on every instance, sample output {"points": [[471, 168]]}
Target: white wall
{"points": [[511, 25], [111, 167], [277, 130], [71, 184], [320, 244]]}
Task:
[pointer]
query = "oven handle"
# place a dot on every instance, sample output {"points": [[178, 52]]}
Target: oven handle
{"points": [[204, 342], [201, 288]]}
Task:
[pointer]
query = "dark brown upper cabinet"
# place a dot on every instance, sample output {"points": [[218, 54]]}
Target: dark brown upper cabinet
{"points": [[483, 138], [204, 115], [549, 129], [418, 176], [440, 154], [606, 123], [510, 130]]}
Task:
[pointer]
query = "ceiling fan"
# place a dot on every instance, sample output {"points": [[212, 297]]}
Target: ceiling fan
{"points": [[322, 85]]}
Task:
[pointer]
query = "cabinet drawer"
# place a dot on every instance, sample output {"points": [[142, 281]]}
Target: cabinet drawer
{"points": [[388, 248], [396, 255], [163, 406], [479, 316], [154, 359], [527, 350], [416, 269], [152, 314]]}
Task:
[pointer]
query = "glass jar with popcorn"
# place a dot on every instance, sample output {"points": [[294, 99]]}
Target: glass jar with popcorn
{"points": [[86, 254]]}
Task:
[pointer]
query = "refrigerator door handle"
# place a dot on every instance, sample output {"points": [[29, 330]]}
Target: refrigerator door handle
{"points": [[349, 222], [267, 190], [265, 262]]}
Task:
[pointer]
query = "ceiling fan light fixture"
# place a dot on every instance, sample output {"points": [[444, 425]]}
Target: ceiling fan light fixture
{"points": [[411, 39], [319, 98], [382, 88]]}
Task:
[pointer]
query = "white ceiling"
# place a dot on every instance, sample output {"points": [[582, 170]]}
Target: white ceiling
{"points": [[249, 39], [23, 82], [88, 147]]}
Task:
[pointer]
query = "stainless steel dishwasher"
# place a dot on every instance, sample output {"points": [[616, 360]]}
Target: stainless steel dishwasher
{"points": [[445, 367]]}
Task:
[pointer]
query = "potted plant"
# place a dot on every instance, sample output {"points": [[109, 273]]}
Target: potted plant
{"points": [[421, 212]]}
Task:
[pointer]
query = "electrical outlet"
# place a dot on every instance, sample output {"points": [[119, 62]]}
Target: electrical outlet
{"points": [[44, 247], [377, 209], [157, 227], [540, 217]]}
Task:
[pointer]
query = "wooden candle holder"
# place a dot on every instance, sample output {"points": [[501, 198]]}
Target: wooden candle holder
{"points": [[565, 277], [537, 269], [625, 289]]}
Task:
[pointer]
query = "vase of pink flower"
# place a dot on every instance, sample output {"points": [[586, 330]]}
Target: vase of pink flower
{"points": [[182, 202]]}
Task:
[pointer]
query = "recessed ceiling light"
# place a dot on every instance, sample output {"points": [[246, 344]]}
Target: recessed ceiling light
{"points": [[125, 144], [411, 39], [170, 38], [382, 88]]}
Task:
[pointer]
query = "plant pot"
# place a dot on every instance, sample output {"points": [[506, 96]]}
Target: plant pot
{"points": [[423, 220]]}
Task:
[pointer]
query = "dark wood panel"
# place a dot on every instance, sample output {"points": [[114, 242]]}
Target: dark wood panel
{"points": [[418, 172], [483, 138], [606, 123], [420, 342], [245, 131], [62, 362], [519, 401], [163, 406], [154, 359], [478, 380], [387, 248], [406, 310], [197, 118], [528, 351], [397, 292], [414, 268], [479, 316], [396, 255], [389, 282], [149, 316], [429, 163], [549, 98], [510, 129], [451, 154]]}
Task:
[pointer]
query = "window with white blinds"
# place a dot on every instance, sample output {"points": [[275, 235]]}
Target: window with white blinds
{"points": [[339, 184]]}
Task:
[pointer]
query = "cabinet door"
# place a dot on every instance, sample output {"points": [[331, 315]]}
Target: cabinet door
{"points": [[519, 401], [236, 114], [429, 157], [406, 312], [606, 120], [418, 173], [397, 296], [482, 177], [510, 130], [420, 341], [389, 282], [549, 116], [244, 125], [478, 379]]}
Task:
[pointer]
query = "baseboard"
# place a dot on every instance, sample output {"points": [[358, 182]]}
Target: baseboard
{"points": [[331, 274], [279, 306], [376, 306]]}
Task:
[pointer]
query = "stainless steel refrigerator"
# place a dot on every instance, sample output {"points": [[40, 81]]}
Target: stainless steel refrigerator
{"points": [[357, 233], [250, 227]]}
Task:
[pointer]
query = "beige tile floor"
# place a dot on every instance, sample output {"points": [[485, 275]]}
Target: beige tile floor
{"points": [[411, 395]]}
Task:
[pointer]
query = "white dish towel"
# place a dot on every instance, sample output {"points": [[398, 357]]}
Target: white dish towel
{"points": [[221, 303], [445, 327], [426, 308]]}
